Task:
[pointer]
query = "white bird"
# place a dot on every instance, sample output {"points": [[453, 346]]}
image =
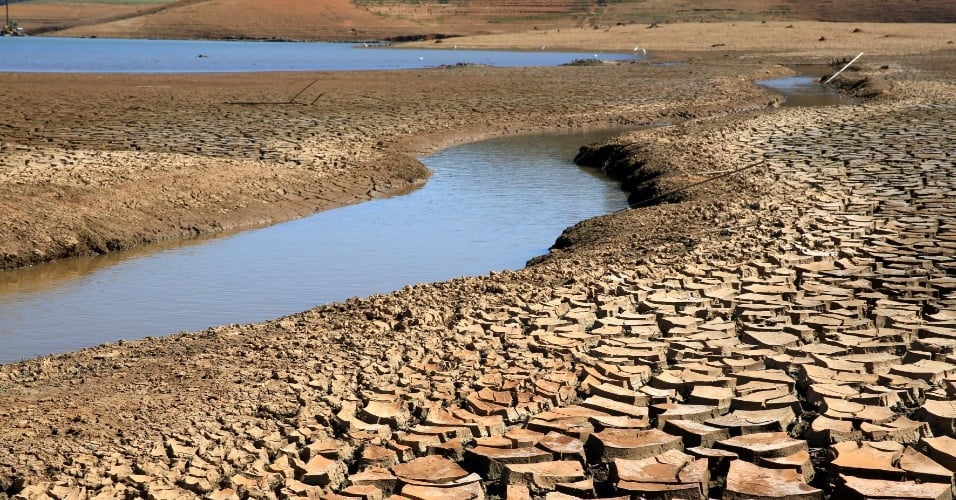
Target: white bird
{"points": [[421, 58]]}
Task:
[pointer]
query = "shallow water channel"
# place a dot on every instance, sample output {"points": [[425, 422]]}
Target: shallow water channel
{"points": [[806, 90], [490, 205]]}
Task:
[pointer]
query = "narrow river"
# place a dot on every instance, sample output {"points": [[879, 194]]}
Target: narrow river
{"points": [[490, 205]]}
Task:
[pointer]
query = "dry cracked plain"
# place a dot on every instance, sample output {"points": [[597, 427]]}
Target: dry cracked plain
{"points": [[787, 331]]}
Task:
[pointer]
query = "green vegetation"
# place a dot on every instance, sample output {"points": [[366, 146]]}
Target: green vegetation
{"points": [[778, 10]]}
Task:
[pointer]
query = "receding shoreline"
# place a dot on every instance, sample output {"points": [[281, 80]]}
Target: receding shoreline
{"points": [[152, 137], [452, 226], [244, 409], [181, 160]]}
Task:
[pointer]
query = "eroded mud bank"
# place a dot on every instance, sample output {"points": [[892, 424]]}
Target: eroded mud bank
{"points": [[782, 309]]}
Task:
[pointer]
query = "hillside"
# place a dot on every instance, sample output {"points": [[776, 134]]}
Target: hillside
{"points": [[379, 19]]}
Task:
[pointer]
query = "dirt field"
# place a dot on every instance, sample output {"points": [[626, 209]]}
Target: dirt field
{"points": [[368, 19], [783, 331], [106, 143], [107, 163]]}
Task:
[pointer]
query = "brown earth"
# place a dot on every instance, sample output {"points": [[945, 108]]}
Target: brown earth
{"points": [[612, 333], [824, 273], [102, 163], [115, 162], [366, 19]]}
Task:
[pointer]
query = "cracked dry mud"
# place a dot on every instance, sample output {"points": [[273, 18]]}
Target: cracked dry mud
{"points": [[93, 164], [785, 332]]}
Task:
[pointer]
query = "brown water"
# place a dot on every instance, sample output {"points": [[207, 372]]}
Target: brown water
{"points": [[490, 205]]}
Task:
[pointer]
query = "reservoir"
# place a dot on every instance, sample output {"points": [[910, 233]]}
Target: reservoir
{"points": [[490, 205], [95, 55]]}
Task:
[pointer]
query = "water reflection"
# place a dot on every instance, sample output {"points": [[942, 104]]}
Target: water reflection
{"points": [[103, 55], [805, 90], [37, 279], [489, 206]]}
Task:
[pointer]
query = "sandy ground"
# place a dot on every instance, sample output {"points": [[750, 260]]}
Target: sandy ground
{"points": [[103, 162], [797, 39]]}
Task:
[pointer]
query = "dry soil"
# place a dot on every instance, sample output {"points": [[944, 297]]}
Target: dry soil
{"points": [[820, 281]]}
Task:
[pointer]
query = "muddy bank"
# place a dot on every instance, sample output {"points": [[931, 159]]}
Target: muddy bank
{"points": [[626, 163], [806, 302], [114, 162], [768, 304], [98, 163], [138, 199]]}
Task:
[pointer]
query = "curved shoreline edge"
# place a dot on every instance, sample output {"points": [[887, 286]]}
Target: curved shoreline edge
{"points": [[307, 402], [136, 182]]}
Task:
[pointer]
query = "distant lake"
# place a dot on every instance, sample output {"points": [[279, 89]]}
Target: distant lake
{"points": [[101, 55]]}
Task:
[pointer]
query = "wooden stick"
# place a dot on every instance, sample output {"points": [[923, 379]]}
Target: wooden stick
{"points": [[302, 91], [845, 67], [651, 201]]}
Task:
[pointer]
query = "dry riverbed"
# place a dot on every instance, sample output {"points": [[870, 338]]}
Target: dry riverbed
{"points": [[739, 343], [96, 163]]}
